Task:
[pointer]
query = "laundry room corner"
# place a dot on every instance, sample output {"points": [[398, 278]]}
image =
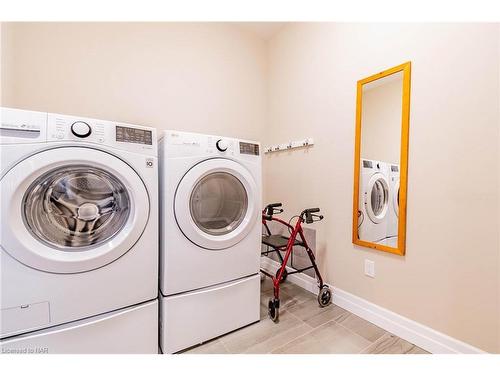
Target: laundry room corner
{"points": [[312, 71], [262, 187]]}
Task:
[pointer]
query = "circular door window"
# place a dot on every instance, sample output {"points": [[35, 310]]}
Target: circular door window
{"points": [[218, 203], [77, 208], [377, 198], [71, 209]]}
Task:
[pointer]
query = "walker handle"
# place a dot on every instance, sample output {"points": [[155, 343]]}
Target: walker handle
{"points": [[272, 205], [309, 217], [309, 211], [270, 209]]}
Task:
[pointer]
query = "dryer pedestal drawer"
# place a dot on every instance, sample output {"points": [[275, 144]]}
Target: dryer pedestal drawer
{"points": [[192, 318], [130, 330]]}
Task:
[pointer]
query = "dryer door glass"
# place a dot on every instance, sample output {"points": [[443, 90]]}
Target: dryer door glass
{"points": [[218, 203], [76, 208]]}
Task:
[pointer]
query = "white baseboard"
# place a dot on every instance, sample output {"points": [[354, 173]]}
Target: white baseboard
{"points": [[410, 330]]}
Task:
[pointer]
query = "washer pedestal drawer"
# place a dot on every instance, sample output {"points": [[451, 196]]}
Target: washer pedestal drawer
{"points": [[191, 318], [129, 330]]}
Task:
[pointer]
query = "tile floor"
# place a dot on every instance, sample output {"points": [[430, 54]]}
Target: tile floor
{"points": [[305, 328]]}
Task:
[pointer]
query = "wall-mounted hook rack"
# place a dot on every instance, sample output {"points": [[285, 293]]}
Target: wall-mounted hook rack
{"points": [[306, 142]]}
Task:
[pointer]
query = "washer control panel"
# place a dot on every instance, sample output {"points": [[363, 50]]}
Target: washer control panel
{"points": [[133, 138]]}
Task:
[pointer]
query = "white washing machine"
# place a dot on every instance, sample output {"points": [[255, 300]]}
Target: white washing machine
{"points": [[210, 237], [393, 214], [374, 195], [79, 234]]}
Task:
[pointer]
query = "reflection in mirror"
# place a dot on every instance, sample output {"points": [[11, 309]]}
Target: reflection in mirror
{"points": [[380, 148], [380, 125]]}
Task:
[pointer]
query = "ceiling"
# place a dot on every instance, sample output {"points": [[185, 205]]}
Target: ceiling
{"points": [[264, 30]]}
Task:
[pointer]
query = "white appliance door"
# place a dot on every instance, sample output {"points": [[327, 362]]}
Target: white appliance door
{"points": [[377, 198], [71, 209], [214, 204]]}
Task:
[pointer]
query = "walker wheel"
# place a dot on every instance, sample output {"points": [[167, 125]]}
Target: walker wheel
{"points": [[325, 296], [284, 276], [273, 309]]}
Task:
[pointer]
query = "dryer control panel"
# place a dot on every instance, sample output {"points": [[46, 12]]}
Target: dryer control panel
{"points": [[182, 144]]}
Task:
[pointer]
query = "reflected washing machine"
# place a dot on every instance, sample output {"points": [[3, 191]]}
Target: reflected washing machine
{"points": [[374, 195], [393, 214], [79, 249], [210, 237]]}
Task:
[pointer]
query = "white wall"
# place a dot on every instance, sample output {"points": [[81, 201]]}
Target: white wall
{"points": [[449, 278], [206, 77]]}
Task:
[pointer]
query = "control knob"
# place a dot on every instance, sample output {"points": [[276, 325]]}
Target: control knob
{"points": [[81, 129], [221, 145]]}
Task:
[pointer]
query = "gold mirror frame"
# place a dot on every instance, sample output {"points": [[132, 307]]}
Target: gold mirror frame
{"points": [[403, 178]]}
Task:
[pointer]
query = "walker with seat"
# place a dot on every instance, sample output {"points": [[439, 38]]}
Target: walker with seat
{"points": [[278, 243]]}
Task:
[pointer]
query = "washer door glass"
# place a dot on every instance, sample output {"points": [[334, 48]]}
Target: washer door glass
{"points": [[77, 208], [378, 198], [218, 203]]}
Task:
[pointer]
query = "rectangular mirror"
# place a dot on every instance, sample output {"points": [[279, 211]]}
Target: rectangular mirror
{"points": [[381, 160]]}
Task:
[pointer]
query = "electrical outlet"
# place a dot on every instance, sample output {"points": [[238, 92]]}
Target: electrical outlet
{"points": [[369, 268]]}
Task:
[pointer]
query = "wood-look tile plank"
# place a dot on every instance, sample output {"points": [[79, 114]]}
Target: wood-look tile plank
{"points": [[266, 284], [390, 344], [360, 326], [279, 339], [314, 315], [329, 338], [417, 350], [294, 295], [210, 347], [243, 339]]}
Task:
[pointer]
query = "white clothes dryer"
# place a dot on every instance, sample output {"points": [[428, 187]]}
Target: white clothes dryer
{"points": [[79, 209], [393, 214], [210, 237]]}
